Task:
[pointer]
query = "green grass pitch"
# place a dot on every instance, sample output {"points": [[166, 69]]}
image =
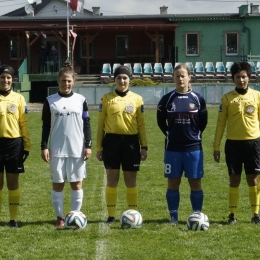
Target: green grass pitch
{"points": [[156, 239]]}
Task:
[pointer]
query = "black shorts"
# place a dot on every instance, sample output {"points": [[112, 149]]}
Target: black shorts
{"points": [[121, 150], [243, 152], [11, 155]]}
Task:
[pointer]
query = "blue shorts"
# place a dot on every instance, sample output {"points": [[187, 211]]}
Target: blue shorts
{"points": [[175, 163]]}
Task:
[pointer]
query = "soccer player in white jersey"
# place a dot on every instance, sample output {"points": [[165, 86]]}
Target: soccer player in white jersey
{"points": [[182, 117], [66, 123]]}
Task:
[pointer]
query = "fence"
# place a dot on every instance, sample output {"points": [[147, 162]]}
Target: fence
{"points": [[151, 95]]}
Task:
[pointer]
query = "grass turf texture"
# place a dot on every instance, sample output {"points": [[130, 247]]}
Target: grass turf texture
{"points": [[156, 239]]}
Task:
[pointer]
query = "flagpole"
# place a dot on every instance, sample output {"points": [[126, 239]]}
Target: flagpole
{"points": [[68, 38]]}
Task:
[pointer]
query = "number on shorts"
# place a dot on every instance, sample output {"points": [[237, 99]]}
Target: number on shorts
{"points": [[167, 168]]}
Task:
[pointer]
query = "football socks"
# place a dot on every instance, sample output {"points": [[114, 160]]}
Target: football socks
{"points": [[173, 201], [14, 197], [233, 198], [254, 199], [58, 202], [132, 197], [111, 199], [76, 199], [196, 198]]}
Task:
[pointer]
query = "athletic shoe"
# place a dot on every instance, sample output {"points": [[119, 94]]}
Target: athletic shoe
{"points": [[59, 222], [173, 221], [110, 220], [231, 219], [13, 224], [256, 219]]}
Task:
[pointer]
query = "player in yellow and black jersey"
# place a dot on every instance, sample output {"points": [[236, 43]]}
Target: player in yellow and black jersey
{"points": [[14, 140], [121, 139], [239, 111]]}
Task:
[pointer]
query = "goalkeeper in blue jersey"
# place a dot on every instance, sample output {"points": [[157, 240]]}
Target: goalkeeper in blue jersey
{"points": [[66, 122], [182, 117], [239, 112]]}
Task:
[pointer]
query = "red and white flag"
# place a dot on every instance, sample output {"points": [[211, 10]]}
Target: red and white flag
{"points": [[77, 5], [74, 35], [43, 34]]}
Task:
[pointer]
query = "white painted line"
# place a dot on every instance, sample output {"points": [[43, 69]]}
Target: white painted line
{"points": [[103, 229]]}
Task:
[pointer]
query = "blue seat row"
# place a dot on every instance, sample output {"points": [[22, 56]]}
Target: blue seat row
{"points": [[157, 70]]}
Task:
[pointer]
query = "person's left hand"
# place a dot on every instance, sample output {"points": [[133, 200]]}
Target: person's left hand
{"points": [[25, 155], [87, 153], [143, 154]]}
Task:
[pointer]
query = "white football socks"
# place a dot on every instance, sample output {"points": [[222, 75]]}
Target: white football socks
{"points": [[76, 199], [58, 202]]}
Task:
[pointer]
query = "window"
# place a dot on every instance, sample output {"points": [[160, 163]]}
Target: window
{"points": [[161, 46], [192, 44], [14, 49], [231, 43], [83, 48], [121, 46]]}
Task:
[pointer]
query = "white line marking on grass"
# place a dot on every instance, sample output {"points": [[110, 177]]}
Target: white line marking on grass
{"points": [[103, 229]]}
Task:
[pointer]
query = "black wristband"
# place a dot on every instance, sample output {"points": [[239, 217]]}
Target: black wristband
{"points": [[145, 148]]}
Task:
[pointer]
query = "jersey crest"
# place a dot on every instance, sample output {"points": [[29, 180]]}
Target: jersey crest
{"points": [[129, 109], [12, 108], [250, 109]]}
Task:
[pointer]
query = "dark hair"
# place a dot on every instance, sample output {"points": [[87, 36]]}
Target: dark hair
{"points": [[239, 66], [67, 68], [122, 70], [182, 66]]}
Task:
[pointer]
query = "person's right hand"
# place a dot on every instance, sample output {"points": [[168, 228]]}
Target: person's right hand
{"points": [[99, 156], [45, 155], [216, 155]]}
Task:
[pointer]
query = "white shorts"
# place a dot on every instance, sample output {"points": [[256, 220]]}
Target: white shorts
{"points": [[67, 169]]}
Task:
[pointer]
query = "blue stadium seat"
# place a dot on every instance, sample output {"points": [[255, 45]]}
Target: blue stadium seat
{"points": [[168, 68], [106, 70], [129, 66], [199, 69], [257, 68], [115, 65], [148, 70], [190, 66], [228, 67], [209, 69], [220, 70], [158, 70], [137, 70], [253, 69]]}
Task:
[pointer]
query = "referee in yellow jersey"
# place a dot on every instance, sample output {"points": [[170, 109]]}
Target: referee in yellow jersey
{"points": [[14, 140], [121, 139], [240, 112]]}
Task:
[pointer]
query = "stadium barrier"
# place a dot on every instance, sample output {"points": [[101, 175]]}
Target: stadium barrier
{"points": [[151, 95]]}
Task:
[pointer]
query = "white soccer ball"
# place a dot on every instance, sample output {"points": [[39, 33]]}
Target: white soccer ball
{"points": [[75, 220], [198, 221], [131, 219]]}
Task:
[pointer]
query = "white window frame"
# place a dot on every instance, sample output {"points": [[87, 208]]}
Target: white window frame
{"points": [[230, 50], [192, 50]]}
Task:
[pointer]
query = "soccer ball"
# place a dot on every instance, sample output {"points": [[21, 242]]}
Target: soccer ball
{"points": [[131, 219], [198, 221], [75, 220]]}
